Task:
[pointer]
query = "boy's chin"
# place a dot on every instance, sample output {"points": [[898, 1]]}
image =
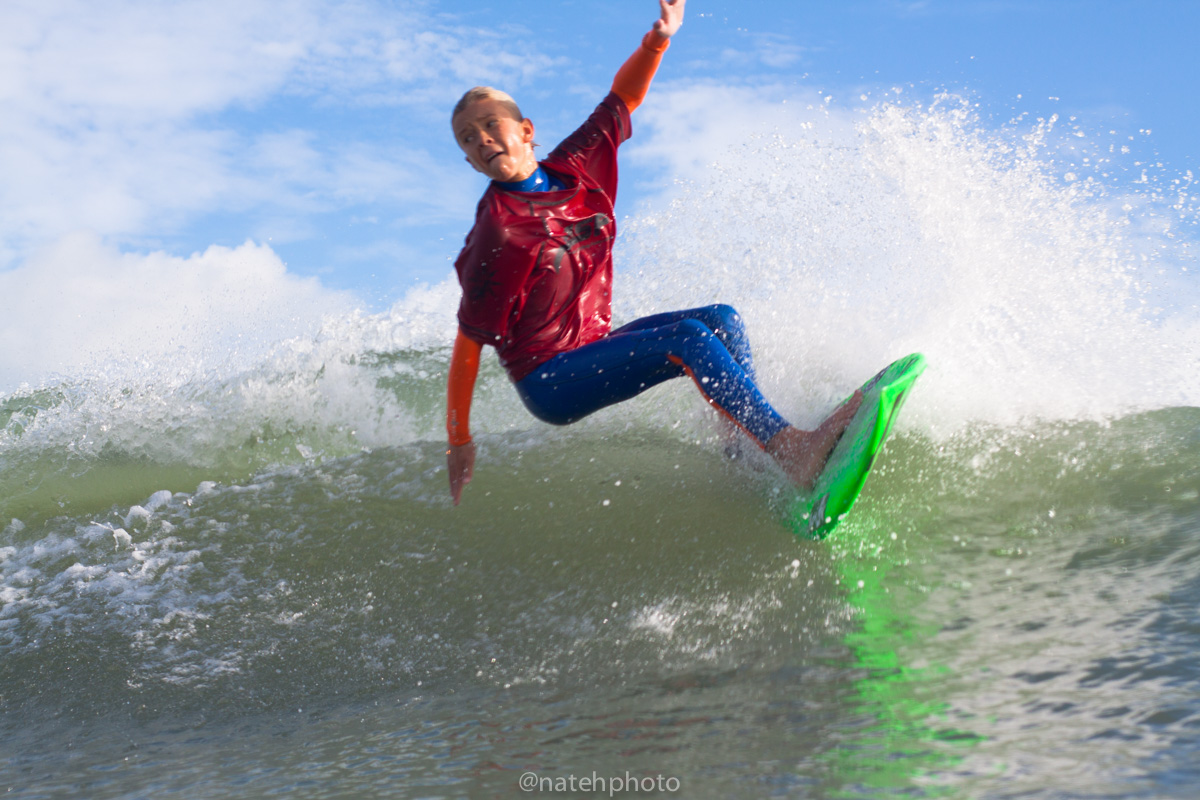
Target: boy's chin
{"points": [[503, 173]]}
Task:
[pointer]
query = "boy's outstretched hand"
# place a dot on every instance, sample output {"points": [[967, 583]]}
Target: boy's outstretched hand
{"points": [[460, 459], [671, 19]]}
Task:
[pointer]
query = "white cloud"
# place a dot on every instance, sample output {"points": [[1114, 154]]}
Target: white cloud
{"points": [[133, 119], [301, 176], [121, 63], [775, 51], [100, 131], [81, 305], [694, 125]]}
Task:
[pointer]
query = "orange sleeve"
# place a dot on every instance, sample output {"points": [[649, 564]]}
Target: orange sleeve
{"points": [[464, 369], [634, 76]]}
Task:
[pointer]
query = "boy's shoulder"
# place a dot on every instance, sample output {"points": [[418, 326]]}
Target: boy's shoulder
{"points": [[606, 128]]}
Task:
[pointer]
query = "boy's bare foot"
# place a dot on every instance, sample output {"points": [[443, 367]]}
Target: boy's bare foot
{"points": [[803, 454]]}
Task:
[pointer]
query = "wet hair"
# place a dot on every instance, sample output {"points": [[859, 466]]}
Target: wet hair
{"points": [[487, 93]]}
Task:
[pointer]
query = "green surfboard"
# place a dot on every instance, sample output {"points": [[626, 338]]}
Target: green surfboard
{"points": [[838, 486]]}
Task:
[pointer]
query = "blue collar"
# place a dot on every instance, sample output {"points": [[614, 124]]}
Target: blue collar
{"points": [[539, 181]]}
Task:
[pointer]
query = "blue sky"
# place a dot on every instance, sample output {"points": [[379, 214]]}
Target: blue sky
{"points": [[138, 134]]}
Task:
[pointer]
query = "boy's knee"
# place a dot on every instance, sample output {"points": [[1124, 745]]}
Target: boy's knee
{"points": [[729, 318], [692, 329], [699, 346]]}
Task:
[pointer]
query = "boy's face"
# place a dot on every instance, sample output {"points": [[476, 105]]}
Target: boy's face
{"points": [[495, 144]]}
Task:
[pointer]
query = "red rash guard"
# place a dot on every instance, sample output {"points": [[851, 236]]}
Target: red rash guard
{"points": [[536, 269]]}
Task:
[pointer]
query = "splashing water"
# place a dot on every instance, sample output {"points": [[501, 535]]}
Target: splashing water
{"points": [[921, 231]]}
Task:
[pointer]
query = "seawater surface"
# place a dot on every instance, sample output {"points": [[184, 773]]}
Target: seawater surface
{"points": [[253, 583]]}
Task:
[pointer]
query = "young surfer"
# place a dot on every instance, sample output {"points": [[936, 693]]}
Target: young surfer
{"points": [[536, 275]]}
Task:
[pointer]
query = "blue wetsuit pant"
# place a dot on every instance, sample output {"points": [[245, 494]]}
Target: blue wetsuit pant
{"points": [[709, 344]]}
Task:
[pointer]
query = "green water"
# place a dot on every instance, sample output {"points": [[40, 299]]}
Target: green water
{"points": [[1006, 611]]}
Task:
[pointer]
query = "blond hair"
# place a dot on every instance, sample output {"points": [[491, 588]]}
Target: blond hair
{"points": [[487, 93]]}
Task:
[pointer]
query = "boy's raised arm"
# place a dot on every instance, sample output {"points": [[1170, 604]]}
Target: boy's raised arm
{"points": [[634, 77]]}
